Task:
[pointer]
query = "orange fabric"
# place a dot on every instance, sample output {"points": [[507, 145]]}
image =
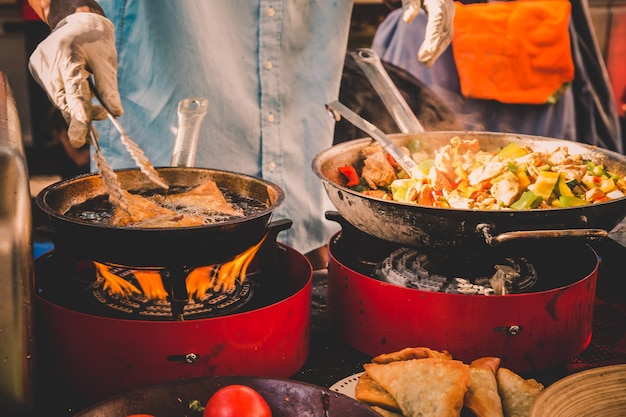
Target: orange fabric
{"points": [[513, 52]]}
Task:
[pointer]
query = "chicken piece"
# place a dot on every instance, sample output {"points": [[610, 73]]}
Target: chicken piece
{"points": [[444, 162], [439, 180], [594, 194], [561, 156], [531, 159], [465, 146], [456, 200], [205, 197], [425, 196], [571, 172], [377, 171], [507, 190], [486, 172], [382, 194], [144, 212], [370, 150]]}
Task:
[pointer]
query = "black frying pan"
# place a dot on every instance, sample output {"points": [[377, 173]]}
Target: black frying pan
{"points": [[136, 246]]}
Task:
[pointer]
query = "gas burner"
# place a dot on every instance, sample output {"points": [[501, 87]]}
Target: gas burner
{"points": [[480, 275], [136, 305]]}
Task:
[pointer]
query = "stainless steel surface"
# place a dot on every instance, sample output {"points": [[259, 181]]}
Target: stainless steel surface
{"points": [[397, 106], [16, 263], [394, 150], [191, 113]]}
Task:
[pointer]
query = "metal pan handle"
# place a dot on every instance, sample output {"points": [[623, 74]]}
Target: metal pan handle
{"points": [[485, 229]]}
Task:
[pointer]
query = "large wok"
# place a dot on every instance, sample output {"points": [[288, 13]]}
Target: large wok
{"points": [[136, 246], [435, 227]]}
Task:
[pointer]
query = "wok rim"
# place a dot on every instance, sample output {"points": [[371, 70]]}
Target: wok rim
{"points": [[316, 166]]}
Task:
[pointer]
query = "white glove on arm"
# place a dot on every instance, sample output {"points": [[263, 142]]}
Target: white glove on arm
{"points": [[80, 45], [438, 29]]}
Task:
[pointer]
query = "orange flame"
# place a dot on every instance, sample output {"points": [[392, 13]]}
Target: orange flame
{"points": [[219, 278]]}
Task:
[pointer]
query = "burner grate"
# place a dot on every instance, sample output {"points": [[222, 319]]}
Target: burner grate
{"points": [[475, 275], [135, 305]]}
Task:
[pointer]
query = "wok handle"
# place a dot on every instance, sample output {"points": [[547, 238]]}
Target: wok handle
{"points": [[191, 113], [491, 240]]}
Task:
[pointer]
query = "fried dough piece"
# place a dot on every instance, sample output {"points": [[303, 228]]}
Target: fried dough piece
{"points": [[411, 353], [386, 413], [368, 391], [518, 394], [482, 393], [431, 387], [146, 213], [206, 197]]}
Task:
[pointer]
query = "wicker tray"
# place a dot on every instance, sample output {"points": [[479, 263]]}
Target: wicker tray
{"points": [[595, 392]]}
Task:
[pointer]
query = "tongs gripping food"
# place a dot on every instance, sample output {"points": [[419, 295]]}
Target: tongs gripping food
{"points": [[404, 160], [133, 149], [109, 179]]}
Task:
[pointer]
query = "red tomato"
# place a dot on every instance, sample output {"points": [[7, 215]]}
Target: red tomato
{"points": [[237, 401]]}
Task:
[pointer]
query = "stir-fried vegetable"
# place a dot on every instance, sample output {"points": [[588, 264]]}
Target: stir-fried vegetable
{"points": [[462, 175]]}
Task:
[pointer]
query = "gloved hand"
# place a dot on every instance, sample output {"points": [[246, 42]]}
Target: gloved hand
{"points": [[438, 29], [80, 45]]}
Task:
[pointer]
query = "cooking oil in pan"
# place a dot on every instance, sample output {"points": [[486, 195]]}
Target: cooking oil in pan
{"points": [[99, 210]]}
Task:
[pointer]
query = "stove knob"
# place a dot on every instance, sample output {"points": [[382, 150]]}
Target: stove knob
{"points": [[511, 330], [187, 358]]}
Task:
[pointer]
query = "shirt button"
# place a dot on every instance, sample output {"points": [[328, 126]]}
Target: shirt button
{"points": [[272, 166], [270, 118], [271, 12], [269, 65]]}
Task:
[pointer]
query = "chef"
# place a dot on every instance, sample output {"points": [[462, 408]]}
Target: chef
{"points": [[530, 67], [267, 67]]}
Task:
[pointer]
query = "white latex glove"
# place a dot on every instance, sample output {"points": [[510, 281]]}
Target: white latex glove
{"points": [[438, 29], [80, 45]]}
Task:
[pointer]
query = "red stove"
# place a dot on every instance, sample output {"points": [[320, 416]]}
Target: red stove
{"points": [[100, 342], [529, 304]]}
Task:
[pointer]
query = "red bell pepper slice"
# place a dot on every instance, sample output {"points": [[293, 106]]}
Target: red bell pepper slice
{"points": [[351, 175], [391, 160]]}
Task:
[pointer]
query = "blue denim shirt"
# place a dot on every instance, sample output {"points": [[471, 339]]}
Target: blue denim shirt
{"points": [[267, 68]]}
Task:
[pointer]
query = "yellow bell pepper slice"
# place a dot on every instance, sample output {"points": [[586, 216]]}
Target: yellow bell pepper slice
{"points": [[564, 189], [523, 179], [511, 151], [546, 181], [567, 201]]}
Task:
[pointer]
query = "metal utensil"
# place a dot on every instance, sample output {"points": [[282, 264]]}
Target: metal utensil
{"points": [[395, 103], [111, 184], [394, 150], [191, 113], [133, 149]]}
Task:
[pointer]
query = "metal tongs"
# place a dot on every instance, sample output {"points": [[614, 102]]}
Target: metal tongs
{"points": [[110, 182], [109, 178], [407, 121], [404, 160], [392, 98]]}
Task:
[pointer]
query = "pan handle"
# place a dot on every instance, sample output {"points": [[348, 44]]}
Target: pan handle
{"points": [[191, 113], [397, 106], [485, 229]]}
